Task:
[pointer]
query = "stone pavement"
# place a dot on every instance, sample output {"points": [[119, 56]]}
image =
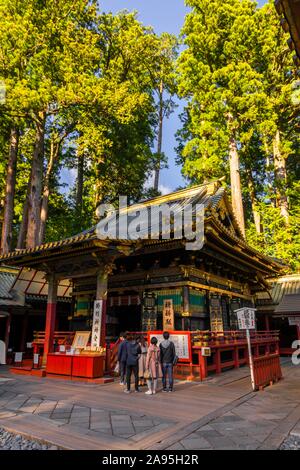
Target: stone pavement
{"points": [[62, 412], [221, 413]]}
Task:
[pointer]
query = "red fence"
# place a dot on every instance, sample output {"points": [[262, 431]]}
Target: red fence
{"points": [[267, 370], [60, 338], [229, 350]]}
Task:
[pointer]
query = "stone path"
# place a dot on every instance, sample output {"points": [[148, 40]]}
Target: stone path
{"points": [[221, 413], [246, 427], [111, 422], [10, 441]]}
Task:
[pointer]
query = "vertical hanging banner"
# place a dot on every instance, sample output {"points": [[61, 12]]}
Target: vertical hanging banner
{"points": [[215, 311], [149, 312], [97, 323], [168, 315]]}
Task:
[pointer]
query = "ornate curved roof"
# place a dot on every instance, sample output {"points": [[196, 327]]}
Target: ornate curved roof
{"points": [[289, 10], [220, 224]]}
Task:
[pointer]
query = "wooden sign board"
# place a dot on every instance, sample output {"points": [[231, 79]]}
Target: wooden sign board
{"points": [[36, 359], [181, 342], [294, 321], [205, 351], [81, 339], [168, 315], [246, 318], [18, 357]]}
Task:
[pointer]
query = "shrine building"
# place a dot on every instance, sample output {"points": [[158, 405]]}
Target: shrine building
{"points": [[134, 278]]}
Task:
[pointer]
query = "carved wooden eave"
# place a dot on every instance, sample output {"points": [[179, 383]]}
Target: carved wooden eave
{"points": [[289, 10], [72, 257], [223, 240], [184, 271], [177, 276]]}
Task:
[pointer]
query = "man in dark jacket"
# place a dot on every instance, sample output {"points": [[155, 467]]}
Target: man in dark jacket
{"points": [[133, 352], [122, 358], [167, 358]]}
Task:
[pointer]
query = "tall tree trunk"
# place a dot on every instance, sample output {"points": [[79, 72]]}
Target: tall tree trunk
{"points": [[54, 150], [270, 174], [159, 136], [280, 174], [254, 203], [34, 209], [6, 242], [235, 182], [99, 188], [79, 184], [24, 224]]}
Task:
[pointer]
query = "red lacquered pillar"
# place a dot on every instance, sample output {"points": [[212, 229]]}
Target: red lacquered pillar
{"points": [[236, 358], [50, 316], [218, 361], [202, 366]]}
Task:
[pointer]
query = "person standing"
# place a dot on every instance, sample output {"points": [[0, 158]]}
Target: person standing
{"points": [[167, 358], [122, 357], [142, 360], [153, 366], [133, 352]]}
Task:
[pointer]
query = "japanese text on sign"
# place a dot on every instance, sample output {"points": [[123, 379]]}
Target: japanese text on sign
{"points": [[168, 315], [181, 343], [97, 322], [246, 318]]}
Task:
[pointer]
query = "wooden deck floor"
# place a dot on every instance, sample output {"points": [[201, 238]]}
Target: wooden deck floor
{"points": [[85, 416]]}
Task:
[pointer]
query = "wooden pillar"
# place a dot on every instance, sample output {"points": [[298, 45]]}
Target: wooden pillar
{"points": [[186, 300], [50, 315], [202, 366], [101, 294], [267, 322], [218, 361], [186, 305], [236, 358], [24, 332]]}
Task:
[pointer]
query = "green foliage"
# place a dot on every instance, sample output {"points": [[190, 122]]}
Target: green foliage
{"points": [[277, 240], [238, 78], [105, 82], [94, 77]]}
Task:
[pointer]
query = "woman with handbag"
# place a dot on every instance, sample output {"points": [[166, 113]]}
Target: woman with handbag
{"points": [[153, 367], [142, 360]]}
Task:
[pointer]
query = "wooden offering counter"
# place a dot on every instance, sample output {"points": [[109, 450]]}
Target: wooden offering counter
{"points": [[76, 365], [79, 361]]}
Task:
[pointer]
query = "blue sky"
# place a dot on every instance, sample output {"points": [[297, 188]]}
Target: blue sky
{"points": [[162, 15]]}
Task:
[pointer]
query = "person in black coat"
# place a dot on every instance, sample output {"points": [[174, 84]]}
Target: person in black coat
{"points": [[122, 357], [133, 352], [167, 359]]}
